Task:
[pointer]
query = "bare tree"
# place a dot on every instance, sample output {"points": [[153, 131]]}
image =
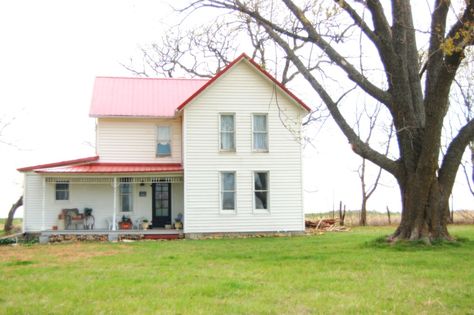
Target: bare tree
{"points": [[11, 214], [367, 189], [206, 50], [4, 124], [415, 95]]}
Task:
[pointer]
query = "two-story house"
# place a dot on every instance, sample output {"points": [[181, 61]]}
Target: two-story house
{"points": [[224, 154]]}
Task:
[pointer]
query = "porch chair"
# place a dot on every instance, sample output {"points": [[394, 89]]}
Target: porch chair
{"points": [[110, 223], [137, 223]]}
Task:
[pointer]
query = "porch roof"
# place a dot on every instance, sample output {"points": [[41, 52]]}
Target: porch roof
{"points": [[113, 168]]}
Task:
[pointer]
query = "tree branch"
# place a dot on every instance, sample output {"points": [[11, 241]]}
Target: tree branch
{"points": [[454, 153], [357, 144], [359, 22], [353, 74]]}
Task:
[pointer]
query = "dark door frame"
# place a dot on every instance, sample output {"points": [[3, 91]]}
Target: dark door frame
{"points": [[160, 221]]}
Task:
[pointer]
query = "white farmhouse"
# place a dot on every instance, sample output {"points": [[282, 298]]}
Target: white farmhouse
{"points": [[220, 155]]}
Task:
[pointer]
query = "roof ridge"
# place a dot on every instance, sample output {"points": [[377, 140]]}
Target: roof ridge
{"points": [[138, 78]]}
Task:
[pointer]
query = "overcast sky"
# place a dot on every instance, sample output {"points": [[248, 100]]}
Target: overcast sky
{"points": [[51, 52]]}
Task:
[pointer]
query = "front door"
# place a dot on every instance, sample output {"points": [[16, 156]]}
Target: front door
{"points": [[161, 204]]}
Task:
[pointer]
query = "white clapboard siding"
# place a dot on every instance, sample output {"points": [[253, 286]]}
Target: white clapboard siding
{"points": [[99, 197], [32, 202], [243, 91], [133, 140]]}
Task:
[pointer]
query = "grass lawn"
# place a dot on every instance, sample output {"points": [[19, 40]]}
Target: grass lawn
{"points": [[333, 273]]}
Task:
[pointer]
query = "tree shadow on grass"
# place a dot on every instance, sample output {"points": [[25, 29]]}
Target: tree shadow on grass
{"points": [[20, 263], [419, 245]]}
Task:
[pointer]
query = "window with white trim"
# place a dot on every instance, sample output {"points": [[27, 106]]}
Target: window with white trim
{"points": [[227, 132], [62, 191], [126, 197], [260, 190], [227, 191], [163, 143], [260, 132]]}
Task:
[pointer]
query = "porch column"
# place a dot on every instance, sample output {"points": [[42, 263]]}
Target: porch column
{"points": [[114, 216], [43, 204]]}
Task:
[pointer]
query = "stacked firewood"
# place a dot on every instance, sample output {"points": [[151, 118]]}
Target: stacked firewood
{"points": [[323, 225]]}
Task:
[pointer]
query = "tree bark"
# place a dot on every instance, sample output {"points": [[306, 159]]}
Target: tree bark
{"points": [[425, 210], [363, 212], [11, 214]]}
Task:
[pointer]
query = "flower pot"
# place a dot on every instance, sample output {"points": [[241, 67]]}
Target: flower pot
{"points": [[178, 225], [125, 225], [144, 225]]}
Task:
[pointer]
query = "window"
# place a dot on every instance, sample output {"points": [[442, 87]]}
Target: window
{"points": [[228, 190], [260, 132], [261, 190], [62, 191], [227, 132], [163, 145], [126, 199]]}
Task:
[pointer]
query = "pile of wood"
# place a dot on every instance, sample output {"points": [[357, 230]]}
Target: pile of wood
{"points": [[325, 225]]}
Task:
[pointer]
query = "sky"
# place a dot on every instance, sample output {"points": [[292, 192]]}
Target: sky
{"points": [[51, 51]]}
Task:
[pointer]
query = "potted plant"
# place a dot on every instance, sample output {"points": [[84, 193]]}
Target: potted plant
{"points": [[178, 221], [87, 212], [144, 224], [126, 223]]}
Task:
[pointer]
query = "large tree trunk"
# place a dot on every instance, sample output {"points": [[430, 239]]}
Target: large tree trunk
{"points": [[11, 214], [425, 212]]}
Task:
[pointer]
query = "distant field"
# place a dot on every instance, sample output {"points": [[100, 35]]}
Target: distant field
{"points": [[380, 218], [334, 273]]}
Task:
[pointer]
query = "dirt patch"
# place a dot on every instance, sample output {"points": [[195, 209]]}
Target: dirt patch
{"points": [[62, 252]]}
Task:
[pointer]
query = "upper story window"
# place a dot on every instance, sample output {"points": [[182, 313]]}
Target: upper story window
{"points": [[163, 145], [228, 191], [62, 191], [260, 132], [227, 132], [261, 190], [126, 197]]}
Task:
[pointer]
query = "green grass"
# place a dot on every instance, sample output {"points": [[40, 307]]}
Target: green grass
{"points": [[334, 273]]}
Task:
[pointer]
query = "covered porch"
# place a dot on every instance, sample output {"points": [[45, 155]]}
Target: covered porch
{"points": [[145, 200]]}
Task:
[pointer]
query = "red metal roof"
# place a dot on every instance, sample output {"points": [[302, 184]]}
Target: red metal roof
{"points": [[57, 164], [263, 71], [148, 97], [113, 168], [140, 97]]}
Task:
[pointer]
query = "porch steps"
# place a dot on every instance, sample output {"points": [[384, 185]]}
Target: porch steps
{"points": [[162, 236]]}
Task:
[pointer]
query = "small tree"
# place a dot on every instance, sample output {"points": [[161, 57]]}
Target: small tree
{"points": [[367, 190], [11, 214]]}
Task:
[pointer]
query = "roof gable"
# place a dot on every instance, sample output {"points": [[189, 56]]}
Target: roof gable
{"points": [[244, 57]]}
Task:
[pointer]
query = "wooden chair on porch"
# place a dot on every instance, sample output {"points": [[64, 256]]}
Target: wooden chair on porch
{"points": [[73, 219]]}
